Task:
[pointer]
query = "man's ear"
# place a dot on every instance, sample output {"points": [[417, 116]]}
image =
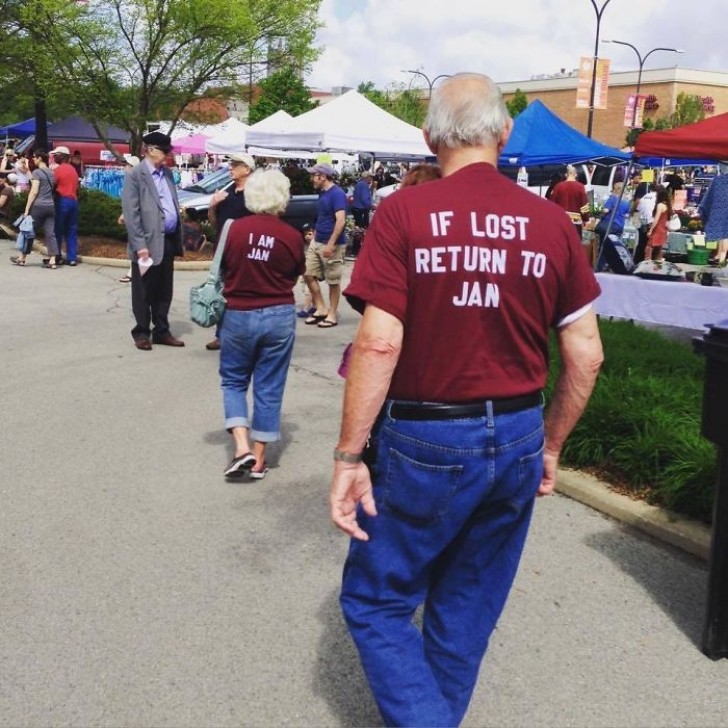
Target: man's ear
{"points": [[432, 148], [506, 134]]}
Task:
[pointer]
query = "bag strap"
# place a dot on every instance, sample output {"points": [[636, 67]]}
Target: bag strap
{"points": [[217, 260]]}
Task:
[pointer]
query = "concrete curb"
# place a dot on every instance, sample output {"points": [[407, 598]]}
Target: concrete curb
{"points": [[684, 533], [124, 263]]}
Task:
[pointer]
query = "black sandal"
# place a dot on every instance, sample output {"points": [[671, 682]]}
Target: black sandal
{"points": [[15, 260]]}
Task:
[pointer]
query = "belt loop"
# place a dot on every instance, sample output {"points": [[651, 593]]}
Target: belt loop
{"points": [[386, 410], [489, 411]]}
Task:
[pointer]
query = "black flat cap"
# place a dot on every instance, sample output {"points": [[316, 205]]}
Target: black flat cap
{"points": [[157, 139]]}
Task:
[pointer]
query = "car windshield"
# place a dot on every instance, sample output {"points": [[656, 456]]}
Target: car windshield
{"points": [[211, 183]]}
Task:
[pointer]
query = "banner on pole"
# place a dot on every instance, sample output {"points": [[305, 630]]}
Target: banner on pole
{"points": [[629, 112], [601, 83]]}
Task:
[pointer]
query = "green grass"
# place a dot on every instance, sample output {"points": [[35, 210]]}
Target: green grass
{"points": [[641, 429]]}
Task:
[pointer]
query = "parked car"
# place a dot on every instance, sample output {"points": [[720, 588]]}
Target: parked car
{"points": [[301, 208]]}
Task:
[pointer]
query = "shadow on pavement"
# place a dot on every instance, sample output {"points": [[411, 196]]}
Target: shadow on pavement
{"points": [[681, 599], [338, 676]]}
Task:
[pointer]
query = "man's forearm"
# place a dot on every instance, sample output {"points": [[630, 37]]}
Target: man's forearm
{"points": [[338, 229], [581, 360], [373, 360]]}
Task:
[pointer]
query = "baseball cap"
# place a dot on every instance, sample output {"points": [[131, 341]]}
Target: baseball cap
{"points": [[306, 227], [61, 150], [12, 178], [243, 158], [366, 173], [325, 169], [131, 159]]}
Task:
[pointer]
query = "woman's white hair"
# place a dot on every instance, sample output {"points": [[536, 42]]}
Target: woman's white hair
{"points": [[466, 110], [267, 192]]}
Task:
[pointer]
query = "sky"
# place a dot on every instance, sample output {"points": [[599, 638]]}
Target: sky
{"points": [[509, 40]]}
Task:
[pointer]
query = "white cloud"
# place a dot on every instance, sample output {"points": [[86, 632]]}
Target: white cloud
{"points": [[373, 40]]}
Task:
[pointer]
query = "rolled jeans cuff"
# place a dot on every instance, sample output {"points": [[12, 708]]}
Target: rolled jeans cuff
{"points": [[231, 422]]}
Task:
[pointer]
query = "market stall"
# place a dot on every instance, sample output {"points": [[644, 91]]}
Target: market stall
{"points": [[674, 303]]}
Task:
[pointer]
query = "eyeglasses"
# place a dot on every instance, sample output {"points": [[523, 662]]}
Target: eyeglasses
{"points": [[155, 148]]}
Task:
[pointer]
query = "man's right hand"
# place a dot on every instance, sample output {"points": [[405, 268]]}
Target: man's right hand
{"points": [[218, 197], [351, 485], [143, 253]]}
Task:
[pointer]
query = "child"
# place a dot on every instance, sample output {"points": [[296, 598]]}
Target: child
{"points": [[192, 235], [308, 309]]}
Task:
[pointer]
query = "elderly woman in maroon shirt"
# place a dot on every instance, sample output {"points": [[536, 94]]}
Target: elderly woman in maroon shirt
{"points": [[262, 260]]}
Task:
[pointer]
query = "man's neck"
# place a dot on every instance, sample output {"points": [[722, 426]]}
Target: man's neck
{"points": [[326, 186], [453, 160]]}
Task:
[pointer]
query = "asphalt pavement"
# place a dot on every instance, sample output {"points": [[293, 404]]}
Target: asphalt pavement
{"points": [[140, 589]]}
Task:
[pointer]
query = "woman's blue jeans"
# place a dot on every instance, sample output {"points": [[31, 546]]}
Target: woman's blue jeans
{"points": [[67, 226], [454, 501], [256, 345]]}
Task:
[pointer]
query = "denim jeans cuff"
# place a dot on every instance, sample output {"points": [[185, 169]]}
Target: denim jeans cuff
{"points": [[265, 436], [231, 422]]}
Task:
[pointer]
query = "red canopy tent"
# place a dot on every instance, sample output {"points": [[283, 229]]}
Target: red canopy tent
{"points": [[707, 139]]}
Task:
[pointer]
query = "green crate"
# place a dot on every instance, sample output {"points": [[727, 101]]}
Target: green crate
{"points": [[698, 256]]}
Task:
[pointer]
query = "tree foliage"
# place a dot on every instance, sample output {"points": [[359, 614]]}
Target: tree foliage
{"points": [[127, 62], [517, 104], [403, 102], [689, 108], [281, 90]]}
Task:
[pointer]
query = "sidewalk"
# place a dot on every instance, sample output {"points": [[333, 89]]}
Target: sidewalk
{"points": [[139, 588]]}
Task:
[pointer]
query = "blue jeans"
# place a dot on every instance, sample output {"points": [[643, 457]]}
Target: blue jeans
{"points": [[67, 226], [454, 501], [256, 345]]}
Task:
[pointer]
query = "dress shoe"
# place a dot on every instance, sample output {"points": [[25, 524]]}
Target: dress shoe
{"points": [[143, 344], [213, 345], [169, 340]]}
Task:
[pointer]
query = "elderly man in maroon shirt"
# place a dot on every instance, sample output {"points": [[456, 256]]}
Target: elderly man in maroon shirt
{"points": [[460, 283]]}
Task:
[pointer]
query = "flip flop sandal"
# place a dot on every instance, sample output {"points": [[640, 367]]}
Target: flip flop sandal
{"points": [[125, 279], [314, 319], [259, 474], [16, 261], [50, 266], [240, 465], [326, 324]]}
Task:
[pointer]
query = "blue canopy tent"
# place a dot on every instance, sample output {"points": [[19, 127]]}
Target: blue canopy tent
{"points": [[20, 130], [540, 137], [76, 129]]}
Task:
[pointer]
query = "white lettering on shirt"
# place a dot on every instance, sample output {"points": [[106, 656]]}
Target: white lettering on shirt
{"points": [[266, 242], [504, 227], [475, 293], [478, 258]]}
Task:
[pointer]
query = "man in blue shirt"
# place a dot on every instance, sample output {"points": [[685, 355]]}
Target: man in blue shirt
{"points": [[361, 206], [325, 256], [152, 218]]}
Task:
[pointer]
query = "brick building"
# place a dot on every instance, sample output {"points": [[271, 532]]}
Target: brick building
{"points": [[558, 92]]}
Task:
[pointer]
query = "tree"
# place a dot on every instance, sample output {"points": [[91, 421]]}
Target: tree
{"points": [[404, 103], [282, 90], [131, 61], [517, 104], [688, 109]]}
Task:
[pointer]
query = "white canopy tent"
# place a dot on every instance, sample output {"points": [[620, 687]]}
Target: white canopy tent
{"points": [[349, 123], [227, 137]]}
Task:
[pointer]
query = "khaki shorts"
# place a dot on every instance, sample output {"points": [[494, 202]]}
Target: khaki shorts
{"points": [[328, 269]]}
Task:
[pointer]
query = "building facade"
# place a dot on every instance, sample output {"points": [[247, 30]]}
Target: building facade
{"points": [[662, 85]]}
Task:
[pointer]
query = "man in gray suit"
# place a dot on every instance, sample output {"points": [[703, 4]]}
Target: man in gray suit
{"points": [[152, 218]]}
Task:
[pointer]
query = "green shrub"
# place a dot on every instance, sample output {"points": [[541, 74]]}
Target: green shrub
{"points": [[641, 428], [98, 214]]}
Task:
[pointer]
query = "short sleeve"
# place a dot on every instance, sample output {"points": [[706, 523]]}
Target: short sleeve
{"points": [[380, 273]]}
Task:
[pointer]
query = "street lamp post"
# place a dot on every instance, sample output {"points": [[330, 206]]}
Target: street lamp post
{"points": [[430, 84], [599, 12], [641, 60]]}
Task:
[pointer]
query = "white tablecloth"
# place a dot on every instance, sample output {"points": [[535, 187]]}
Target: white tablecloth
{"points": [[669, 303]]}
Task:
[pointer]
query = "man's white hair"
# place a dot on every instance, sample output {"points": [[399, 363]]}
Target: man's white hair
{"points": [[466, 110], [267, 192]]}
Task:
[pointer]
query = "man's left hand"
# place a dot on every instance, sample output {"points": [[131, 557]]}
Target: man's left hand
{"points": [[328, 251], [550, 466], [351, 485]]}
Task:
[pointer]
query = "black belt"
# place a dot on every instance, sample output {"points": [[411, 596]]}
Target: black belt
{"points": [[441, 411]]}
